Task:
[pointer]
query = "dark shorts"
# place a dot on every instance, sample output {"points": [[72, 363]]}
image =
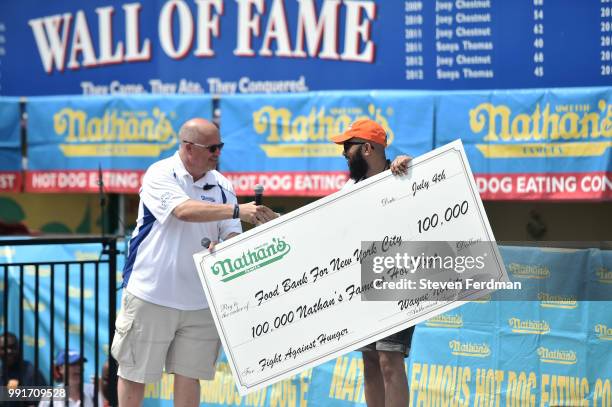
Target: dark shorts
{"points": [[398, 342]]}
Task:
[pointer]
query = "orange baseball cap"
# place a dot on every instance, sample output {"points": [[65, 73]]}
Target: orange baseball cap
{"points": [[365, 129]]}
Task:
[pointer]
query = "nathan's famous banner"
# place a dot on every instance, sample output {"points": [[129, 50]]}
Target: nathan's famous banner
{"points": [[525, 144], [283, 142], [533, 144], [550, 351], [71, 140], [10, 145]]}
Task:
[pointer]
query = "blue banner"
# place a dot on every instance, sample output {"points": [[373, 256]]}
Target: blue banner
{"points": [[548, 351], [10, 144], [533, 144], [287, 137], [221, 46], [528, 144], [70, 138]]}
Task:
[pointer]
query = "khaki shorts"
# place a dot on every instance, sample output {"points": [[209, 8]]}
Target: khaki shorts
{"points": [[149, 337], [397, 342]]}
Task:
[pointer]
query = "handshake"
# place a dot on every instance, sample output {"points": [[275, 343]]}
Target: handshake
{"points": [[254, 212]]}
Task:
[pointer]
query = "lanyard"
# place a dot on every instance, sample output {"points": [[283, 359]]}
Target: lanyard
{"points": [[208, 187]]}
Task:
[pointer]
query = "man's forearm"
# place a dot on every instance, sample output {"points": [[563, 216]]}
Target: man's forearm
{"points": [[196, 211]]}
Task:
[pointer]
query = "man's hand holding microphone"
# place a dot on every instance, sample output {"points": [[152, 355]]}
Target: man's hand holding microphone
{"points": [[252, 212], [256, 214]]}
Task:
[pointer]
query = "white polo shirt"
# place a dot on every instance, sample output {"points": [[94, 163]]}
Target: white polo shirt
{"points": [[160, 267]]}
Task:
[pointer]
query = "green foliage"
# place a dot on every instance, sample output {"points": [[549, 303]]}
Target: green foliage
{"points": [[55, 227], [10, 211]]}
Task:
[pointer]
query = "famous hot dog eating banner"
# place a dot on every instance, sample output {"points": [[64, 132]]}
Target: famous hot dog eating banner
{"points": [[554, 350]]}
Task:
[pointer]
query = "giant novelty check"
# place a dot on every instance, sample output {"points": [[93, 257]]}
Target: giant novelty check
{"points": [[285, 296]]}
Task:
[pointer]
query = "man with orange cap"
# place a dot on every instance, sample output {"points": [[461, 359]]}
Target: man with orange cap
{"points": [[385, 379]]}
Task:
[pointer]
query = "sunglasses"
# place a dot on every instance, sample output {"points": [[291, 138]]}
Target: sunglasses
{"points": [[211, 148], [348, 144]]}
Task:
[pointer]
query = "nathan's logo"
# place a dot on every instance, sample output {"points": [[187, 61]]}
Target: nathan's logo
{"points": [[261, 256], [569, 131], [562, 357], [476, 350], [557, 301], [123, 133], [446, 321], [603, 332], [292, 135], [604, 275], [528, 270], [529, 327]]}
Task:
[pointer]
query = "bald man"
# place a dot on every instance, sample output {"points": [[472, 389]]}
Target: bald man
{"points": [[165, 322]]}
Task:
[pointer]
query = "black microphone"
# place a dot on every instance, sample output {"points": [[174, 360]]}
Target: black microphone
{"points": [[259, 189], [205, 242]]}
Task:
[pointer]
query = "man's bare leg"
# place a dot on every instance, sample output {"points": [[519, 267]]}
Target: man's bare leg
{"points": [[130, 393], [186, 391], [394, 377], [373, 380]]}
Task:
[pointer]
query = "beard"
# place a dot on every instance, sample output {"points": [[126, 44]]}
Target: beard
{"points": [[358, 167]]}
